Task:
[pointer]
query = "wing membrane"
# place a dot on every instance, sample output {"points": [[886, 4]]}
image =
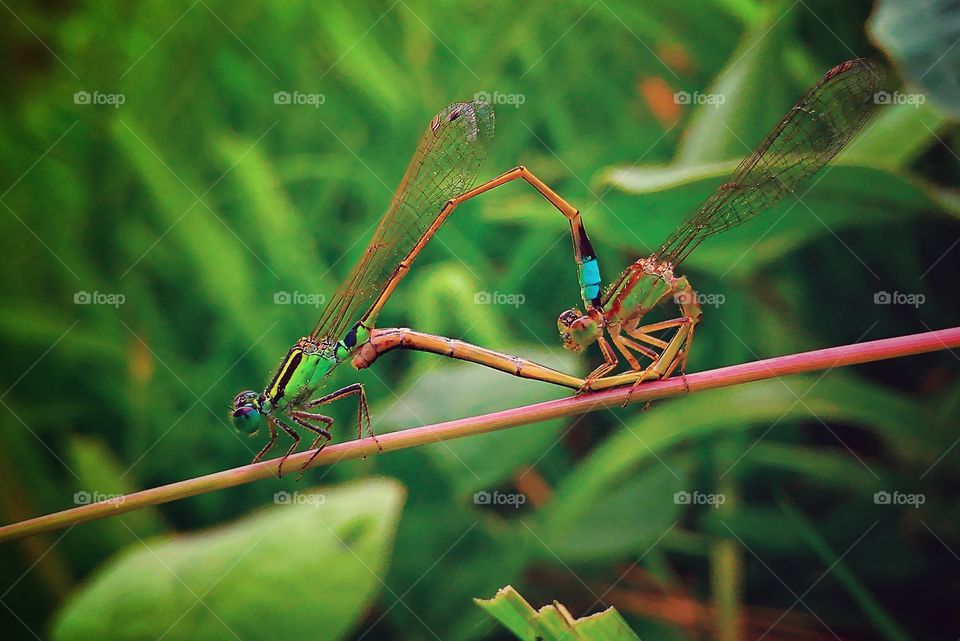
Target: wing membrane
{"points": [[812, 132], [444, 166]]}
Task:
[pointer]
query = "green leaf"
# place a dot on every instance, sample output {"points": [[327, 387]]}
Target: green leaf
{"points": [[832, 469], [653, 179], [625, 520], [306, 569], [102, 476], [895, 137], [762, 529], [725, 130], [200, 240], [553, 622], [371, 73], [922, 37], [263, 204], [765, 404]]}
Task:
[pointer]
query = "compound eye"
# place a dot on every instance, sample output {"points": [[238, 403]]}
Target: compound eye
{"points": [[569, 317], [246, 419]]}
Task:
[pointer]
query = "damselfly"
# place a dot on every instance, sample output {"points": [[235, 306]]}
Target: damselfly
{"points": [[437, 180], [824, 120]]}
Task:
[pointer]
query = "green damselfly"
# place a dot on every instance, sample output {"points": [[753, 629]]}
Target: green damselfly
{"points": [[438, 179], [818, 126]]}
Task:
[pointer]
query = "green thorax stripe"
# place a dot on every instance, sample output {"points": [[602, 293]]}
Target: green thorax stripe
{"points": [[288, 367]]}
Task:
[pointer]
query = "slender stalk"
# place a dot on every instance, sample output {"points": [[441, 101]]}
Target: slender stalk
{"points": [[726, 554], [723, 377]]}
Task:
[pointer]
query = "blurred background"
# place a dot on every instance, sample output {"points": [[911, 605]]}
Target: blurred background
{"points": [[171, 225]]}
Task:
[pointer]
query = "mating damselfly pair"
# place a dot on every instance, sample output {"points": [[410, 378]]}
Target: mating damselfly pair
{"points": [[441, 176]]}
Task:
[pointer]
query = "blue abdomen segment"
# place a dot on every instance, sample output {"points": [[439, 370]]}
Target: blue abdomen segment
{"points": [[590, 279]]}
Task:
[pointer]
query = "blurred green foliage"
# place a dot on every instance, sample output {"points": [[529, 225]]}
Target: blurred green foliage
{"points": [[199, 198]]}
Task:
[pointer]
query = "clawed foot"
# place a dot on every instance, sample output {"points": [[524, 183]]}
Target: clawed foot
{"points": [[633, 388], [642, 379], [375, 440], [303, 468]]}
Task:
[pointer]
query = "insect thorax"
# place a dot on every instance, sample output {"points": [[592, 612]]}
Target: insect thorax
{"points": [[647, 283], [300, 372]]}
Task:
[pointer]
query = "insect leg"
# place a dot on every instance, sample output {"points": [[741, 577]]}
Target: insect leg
{"points": [[363, 410], [323, 434], [273, 439], [296, 442], [610, 362]]}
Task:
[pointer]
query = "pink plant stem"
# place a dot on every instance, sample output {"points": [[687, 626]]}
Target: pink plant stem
{"points": [[723, 377]]}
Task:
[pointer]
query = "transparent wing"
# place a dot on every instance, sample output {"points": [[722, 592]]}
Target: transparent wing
{"points": [[812, 132], [444, 166]]}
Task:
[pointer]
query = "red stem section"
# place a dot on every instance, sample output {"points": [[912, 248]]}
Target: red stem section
{"points": [[820, 359]]}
